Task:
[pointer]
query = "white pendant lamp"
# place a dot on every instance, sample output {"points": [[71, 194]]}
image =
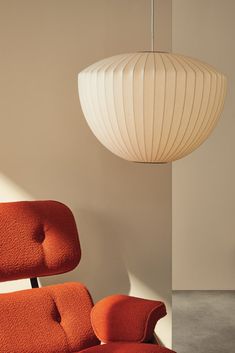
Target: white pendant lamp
{"points": [[153, 107]]}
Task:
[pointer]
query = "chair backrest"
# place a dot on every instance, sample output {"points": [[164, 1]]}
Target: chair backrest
{"points": [[37, 238], [40, 238]]}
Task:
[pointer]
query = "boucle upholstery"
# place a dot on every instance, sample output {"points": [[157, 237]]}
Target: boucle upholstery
{"points": [[124, 318], [37, 238], [53, 319]]}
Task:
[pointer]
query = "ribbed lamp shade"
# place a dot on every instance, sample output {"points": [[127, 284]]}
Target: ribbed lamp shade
{"points": [[151, 106]]}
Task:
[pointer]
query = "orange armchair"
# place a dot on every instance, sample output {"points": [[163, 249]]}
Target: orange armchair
{"points": [[40, 238]]}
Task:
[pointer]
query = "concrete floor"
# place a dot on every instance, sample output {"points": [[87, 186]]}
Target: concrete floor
{"points": [[204, 321]]}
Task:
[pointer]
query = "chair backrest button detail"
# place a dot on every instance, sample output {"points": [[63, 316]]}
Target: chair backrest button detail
{"points": [[40, 235]]}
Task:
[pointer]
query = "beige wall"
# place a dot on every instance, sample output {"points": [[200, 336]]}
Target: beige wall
{"points": [[123, 210], [203, 183]]}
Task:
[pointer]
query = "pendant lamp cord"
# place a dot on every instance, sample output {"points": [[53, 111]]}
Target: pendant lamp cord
{"points": [[152, 25]]}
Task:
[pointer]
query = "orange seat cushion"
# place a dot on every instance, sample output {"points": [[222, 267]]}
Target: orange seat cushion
{"points": [[53, 319], [127, 348], [126, 319], [37, 238]]}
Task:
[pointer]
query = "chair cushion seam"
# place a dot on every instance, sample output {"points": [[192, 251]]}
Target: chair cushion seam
{"points": [[63, 330]]}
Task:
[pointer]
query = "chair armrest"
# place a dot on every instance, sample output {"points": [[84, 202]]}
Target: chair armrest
{"points": [[126, 319]]}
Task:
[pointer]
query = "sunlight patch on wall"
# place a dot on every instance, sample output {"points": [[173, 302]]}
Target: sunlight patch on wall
{"points": [[139, 289], [9, 191]]}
